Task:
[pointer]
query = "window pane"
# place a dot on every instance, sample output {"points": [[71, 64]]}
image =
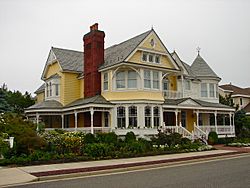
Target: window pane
{"points": [[121, 118], [120, 80], [105, 81], [155, 80], [144, 56], [147, 115], [147, 79], [157, 59], [132, 116], [132, 79], [57, 89], [203, 90], [150, 58], [165, 84], [211, 90]]}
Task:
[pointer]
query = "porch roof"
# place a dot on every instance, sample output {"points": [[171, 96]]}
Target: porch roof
{"points": [[49, 104], [98, 99], [178, 102]]}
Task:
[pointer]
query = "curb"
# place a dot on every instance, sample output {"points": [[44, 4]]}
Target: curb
{"points": [[68, 173]]}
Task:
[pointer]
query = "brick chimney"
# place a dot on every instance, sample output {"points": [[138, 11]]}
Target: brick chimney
{"points": [[93, 58]]}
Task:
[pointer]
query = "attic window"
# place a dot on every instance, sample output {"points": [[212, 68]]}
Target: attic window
{"points": [[151, 57], [152, 42]]}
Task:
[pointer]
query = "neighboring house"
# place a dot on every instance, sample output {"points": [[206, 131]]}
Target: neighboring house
{"points": [[136, 85], [240, 96]]}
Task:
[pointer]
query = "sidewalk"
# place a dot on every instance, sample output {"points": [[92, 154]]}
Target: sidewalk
{"points": [[9, 176]]}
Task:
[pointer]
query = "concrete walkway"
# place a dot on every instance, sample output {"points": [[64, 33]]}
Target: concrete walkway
{"points": [[9, 176]]}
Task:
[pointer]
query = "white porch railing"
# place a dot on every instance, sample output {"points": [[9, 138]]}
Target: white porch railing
{"points": [[85, 129], [185, 133], [198, 133], [220, 129], [168, 94]]}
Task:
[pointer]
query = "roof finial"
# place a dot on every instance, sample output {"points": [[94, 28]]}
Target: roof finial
{"points": [[152, 27], [198, 50]]}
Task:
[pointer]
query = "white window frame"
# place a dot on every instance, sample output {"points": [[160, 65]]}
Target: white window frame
{"points": [[126, 80], [187, 84], [132, 117], [156, 80], [211, 90], [204, 91], [105, 82], [154, 55]]}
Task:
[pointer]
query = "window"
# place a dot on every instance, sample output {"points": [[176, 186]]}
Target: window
{"points": [[47, 89], [147, 114], [57, 89], [165, 85], [157, 59], [241, 101], [147, 79], [151, 58], [132, 111], [203, 90], [120, 80], [217, 93], [105, 81], [106, 119], [211, 90], [156, 116], [50, 89], [187, 85], [132, 79], [155, 80], [121, 117], [144, 56]]}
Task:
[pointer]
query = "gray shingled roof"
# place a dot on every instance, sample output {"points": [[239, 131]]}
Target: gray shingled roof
{"points": [[40, 89], [201, 68], [98, 99], [49, 104], [200, 102], [69, 60], [119, 52]]}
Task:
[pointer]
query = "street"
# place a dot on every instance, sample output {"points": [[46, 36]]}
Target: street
{"points": [[234, 172]]}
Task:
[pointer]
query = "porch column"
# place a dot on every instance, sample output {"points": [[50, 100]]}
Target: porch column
{"points": [[75, 120], [215, 121], [197, 118], [230, 119], [126, 117], [182, 83], [161, 117], [152, 116], [92, 120], [176, 117], [62, 116], [37, 121]]}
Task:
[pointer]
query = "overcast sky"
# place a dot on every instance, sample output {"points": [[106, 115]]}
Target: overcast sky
{"points": [[28, 29]]}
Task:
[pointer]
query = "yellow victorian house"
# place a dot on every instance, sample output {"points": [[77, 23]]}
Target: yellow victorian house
{"points": [[137, 85]]}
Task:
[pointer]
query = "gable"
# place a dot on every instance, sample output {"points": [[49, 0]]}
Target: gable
{"points": [[188, 102], [52, 69], [153, 45]]}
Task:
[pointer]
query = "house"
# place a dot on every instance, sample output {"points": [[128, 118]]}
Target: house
{"points": [[240, 96], [137, 85]]}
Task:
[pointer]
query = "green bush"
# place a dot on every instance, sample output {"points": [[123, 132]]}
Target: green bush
{"points": [[108, 138], [212, 138], [130, 137], [99, 150], [89, 138]]}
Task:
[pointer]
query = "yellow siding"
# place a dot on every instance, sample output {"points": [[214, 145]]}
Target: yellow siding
{"points": [[40, 97], [81, 88], [133, 95], [173, 83], [70, 88], [158, 45], [53, 69]]}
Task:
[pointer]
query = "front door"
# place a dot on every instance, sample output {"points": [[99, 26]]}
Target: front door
{"points": [[183, 118]]}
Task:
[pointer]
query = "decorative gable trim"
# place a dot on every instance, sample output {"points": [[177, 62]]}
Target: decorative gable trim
{"points": [[189, 102]]}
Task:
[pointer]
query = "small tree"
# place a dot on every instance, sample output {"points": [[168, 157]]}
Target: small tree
{"points": [[212, 138]]}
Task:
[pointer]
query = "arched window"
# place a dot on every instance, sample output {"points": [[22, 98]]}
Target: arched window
{"points": [[121, 117], [132, 111], [156, 117], [147, 114]]}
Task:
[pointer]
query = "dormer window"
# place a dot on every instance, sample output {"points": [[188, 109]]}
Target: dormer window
{"points": [[150, 57]]}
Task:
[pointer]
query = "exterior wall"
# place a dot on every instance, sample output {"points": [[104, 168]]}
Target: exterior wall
{"points": [[172, 83], [70, 88], [245, 101], [81, 88], [40, 97], [133, 95]]}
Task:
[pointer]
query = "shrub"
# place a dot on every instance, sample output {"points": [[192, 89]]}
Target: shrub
{"points": [[107, 138], [89, 138], [99, 150], [130, 137], [212, 138]]}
